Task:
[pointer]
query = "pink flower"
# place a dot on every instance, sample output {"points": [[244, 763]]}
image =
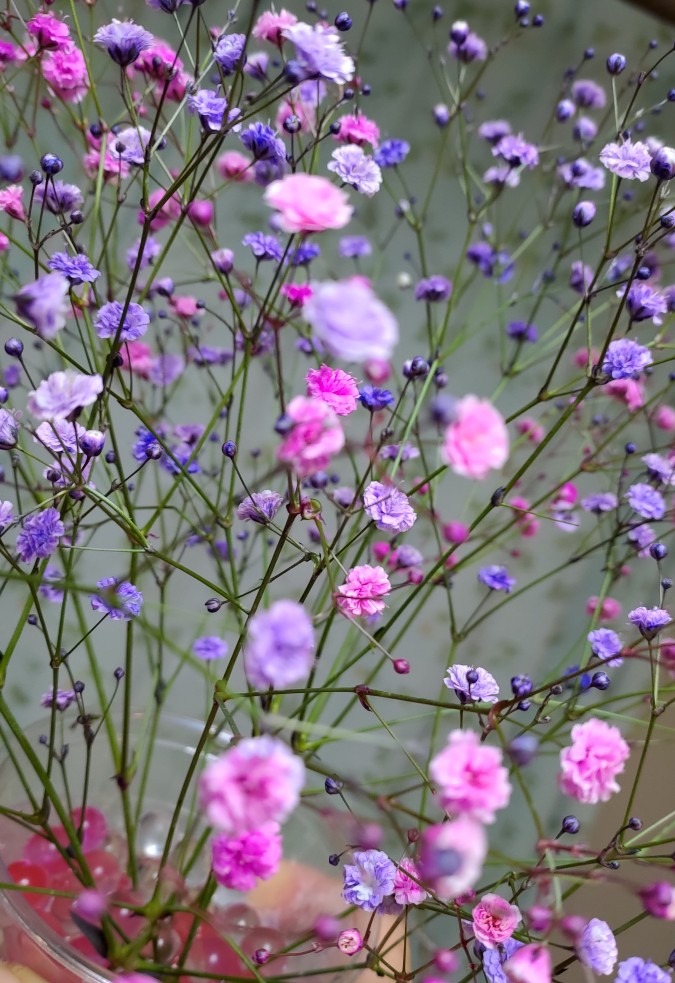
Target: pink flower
{"points": [[470, 778], [184, 307], [135, 978], [334, 387], [527, 522], [589, 767], [256, 781], [452, 856], [664, 418], [628, 391], [406, 890], [234, 166], [314, 439], [308, 203], [49, 32], [269, 26], [456, 532], [168, 213], [609, 608], [477, 440], [531, 964], [531, 429], [65, 71], [358, 129], [11, 203], [114, 168], [360, 594], [350, 941], [494, 920], [239, 861], [137, 357], [297, 293], [667, 655]]}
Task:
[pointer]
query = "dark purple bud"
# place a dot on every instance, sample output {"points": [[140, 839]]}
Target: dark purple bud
{"points": [[583, 214], [663, 164], [658, 551], [601, 681], [441, 114], [521, 9], [14, 347], [571, 825], [343, 21], [459, 32], [616, 64], [334, 859], [635, 823], [51, 164], [401, 666], [119, 673], [333, 786], [213, 605], [229, 449], [92, 442], [419, 368], [284, 425], [292, 124], [523, 749], [153, 451]]}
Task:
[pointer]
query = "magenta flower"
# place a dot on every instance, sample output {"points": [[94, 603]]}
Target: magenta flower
{"points": [[477, 440], [494, 920], [50, 33], [61, 393], [470, 778], [336, 388], [627, 160], [388, 508], [452, 855], [314, 439], [238, 862], [257, 780], [279, 649], [361, 595], [589, 766]]}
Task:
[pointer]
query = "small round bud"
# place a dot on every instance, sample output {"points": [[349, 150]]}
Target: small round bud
{"points": [[229, 449], [472, 677], [537, 20], [343, 21], [521, 9], [564, 110], [334, 128], [583, 214], [350, 941], [600, 680], [77, 217], [446, 961], [153, 451], [261, 956], [14, 347], [118, 673], [571, 825], [32, 620], [671, 95], [635, 823], [334, 859], [441, 114], [35, 178], [523, 749], [51, 164], [4, 395], [419, 368], [436, 12], [117, 361], [333, 786], [284, 425], [459, 32], [213, 605], [616, 64], [630, 448], [666, 583], [401, 666], [78, 686], [92, 442], [658, 551], [556, 689], [662, 164]]}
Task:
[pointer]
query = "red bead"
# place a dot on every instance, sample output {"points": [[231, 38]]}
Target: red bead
{"points": [[30, 875], [94, 828]]}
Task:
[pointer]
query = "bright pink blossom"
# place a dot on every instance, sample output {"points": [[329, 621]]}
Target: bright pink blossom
{"points": [[477, 440], [238, 862], [11, 202], [270, 24], [494, 920], [609, 608], [49, 32], [160, 62], [297, 293], [361, 595], [65, 71], [168, 213], [407, 890], [589, 766], [628, 391], [137, 357], [461, 845], [314, 439], [334, 387], [358, 129], [256, 781], [4, 243], [531, 964], [235, 166], [470, 778], [308, 203], [350, 941]]}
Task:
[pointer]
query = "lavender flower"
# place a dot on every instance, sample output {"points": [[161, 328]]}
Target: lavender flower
{"points": [[357, 169], [229, 52], [263, 247], [391, 153], [375, 399], [9, 430], [119, 599], [493, 130], [305, 253], [496, 577], [279, 648], [472, 48], [131, 144], [491, 262], [659, 469], [646, 501], [263, 143], [44, 304], [522, 331], [260, 507], [353, 247], [40, 535], [637, 970], [588, 94], [388, 507], [48, 589], [581, 277], [627, 160], [6, 516], [143, 254], [472, 685], [516, 151], [433, 288], [644, 303], [209, 107], [369, 880], [625, 359], [77, 269], [600, 502], [606, 645], [124, 41], [60, 436], [581, 174], [494, 959], [109, 322], [60, 698], [642, 536], [597, 947], [58, 197], [319, 53], [405, 452], [405, 556], [649, 621], [61, 393], [209, 648]]}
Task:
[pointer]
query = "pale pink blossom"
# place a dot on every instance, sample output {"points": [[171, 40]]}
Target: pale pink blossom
{"points": [[361, 595], [235, 166], [4, 243], [113, 167], [270, 24], [531, 964], [170, 210], [314, 438], [160, 62], [451, 857], [256, 781], [239, 862], [334, 387], [664, 418], [531, 429], [589, 766], [407, 890], [137, 357], [357, 128], [494, 920], [308, 203], [11, 202], [470, 778], [527, 521], [65, 71], [350, 941], [477, 440], [608, 609], [295, 106], [628, 391], [667, 655]]}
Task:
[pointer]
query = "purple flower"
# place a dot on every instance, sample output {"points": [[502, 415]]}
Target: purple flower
{"points": [[123, 41], [407, 452], [60, 698], [600, 502], [260, 507], [77, 269], [305, 253], [319, 53], [58, 197], [44, 304], [375, 399], [229, 52], [40, 535], [581, 174], [9, 430], [108, 323], [597, 947], [627, 160], [491, 262], [516, 151], [646, 501], [503, 176], [369, 880], [6, 516], [644, 303], [642, 537], [263, 143], [494, 959], [472, 684], [146, 445], [145, 256], [350, 320], [472, 48], [388, 507], [405, 556], [496, 578], [119, 599], [659, 469], [210, 107], [60, 436], [357, 169], [522, 331], [131, 144], [588, 94], [51, 577], [353, 247], [637, 970], [581, 277], [606, 645], [391, 153], [625, 359], [168, 6], [165, 369], [649, 621], [209, 648], [279, 648], [207, 355], [585, 129], [493, 130], [61, 393], [263, 247], [433, 288]]}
